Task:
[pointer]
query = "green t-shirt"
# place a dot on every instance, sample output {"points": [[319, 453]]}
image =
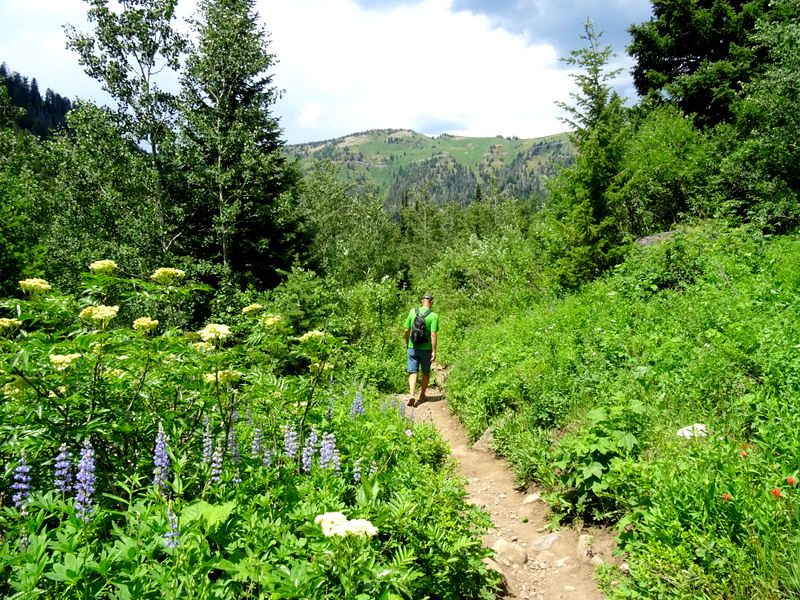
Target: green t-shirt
{"points": [[431, 324]]}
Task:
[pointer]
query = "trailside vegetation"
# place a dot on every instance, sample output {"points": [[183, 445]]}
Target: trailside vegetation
{"points": [[200, 340]]}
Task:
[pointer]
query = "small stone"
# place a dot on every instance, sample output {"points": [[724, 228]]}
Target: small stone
{"points": [[562, 562], [502, 496], [569, 588], [505, 550], [514, 538]]}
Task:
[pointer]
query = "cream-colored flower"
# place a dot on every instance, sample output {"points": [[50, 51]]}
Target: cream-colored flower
{"points": [[271, 320], [361, 527], [251, 308], [100, 314], [9, 323], [311, 335], [336, 524], [34, 285], [320, 367], [103, 267], [114, 373], [223, 377], [203, 346], [62, 361], [14, 389], [214, 331], [167, 275], [145, 324]]}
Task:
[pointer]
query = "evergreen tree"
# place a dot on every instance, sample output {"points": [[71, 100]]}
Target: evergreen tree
{"points": [[243, 208], [698, 54], [581, 204]]}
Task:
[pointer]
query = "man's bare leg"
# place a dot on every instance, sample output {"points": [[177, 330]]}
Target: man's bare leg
{"points": [[424, 385], [412, 385]]}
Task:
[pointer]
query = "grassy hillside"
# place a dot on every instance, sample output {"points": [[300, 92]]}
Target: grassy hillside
{"points": [[664, 398], [399, 161]]}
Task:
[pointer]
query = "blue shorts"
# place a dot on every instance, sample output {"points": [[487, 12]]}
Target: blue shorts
{"points": [[419, 358]]}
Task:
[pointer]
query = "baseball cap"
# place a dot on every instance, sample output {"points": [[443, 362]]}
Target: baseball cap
{"points": [[428, 297]]}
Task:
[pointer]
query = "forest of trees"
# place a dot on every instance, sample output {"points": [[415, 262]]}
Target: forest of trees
{"points": [[42, 115]]}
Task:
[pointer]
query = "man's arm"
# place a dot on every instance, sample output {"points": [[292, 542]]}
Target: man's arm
{"points": [[407, 333], [434, 339]]}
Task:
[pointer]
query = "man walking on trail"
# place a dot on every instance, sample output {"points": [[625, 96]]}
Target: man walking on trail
{"points": [[421, 344]]}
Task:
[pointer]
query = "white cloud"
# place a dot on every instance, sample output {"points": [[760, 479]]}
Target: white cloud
{"points": [[408, 65], [346, 69], [309, 115]]}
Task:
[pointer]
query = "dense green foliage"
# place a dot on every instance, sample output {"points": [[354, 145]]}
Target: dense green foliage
{"points": [[650, 386], [586, 394], [205, 460]]}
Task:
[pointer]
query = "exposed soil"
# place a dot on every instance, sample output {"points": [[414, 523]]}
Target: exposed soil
{"points": [[537, 563]]}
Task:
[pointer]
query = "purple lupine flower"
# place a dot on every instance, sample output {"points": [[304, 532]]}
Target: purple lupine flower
{"points": [[258, 441], [216, 463], [402, 409], [22, 482], [160, 460], [233, 445], [328, 454], [412, 416], [373, 468], [290, 441], [310, 449], [248, 416], [62, 480], [266, 459], [208, 443], [329, 412], [357, 470], [85, 482], [237, 477], [171, 537], [358, 405]]}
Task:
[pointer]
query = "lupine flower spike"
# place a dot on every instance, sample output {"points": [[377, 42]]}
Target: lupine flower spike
{"points": [[85, 482], [63, 480], [22, 483], [160, 460]]}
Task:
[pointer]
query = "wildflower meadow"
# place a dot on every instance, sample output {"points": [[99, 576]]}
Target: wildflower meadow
{"points": [[142, 460]]}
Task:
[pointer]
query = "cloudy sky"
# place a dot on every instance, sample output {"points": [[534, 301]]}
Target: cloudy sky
{"points": [[469, 67]]}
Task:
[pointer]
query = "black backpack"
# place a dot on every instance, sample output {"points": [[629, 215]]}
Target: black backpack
{"points": [[418, 333]]}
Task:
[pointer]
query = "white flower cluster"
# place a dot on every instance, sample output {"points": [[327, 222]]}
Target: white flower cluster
{"points": [[34, 285], [62, 361], [167, 275], [271, 320], [214, 331], [9, 323], [145, 324], [690, 431], [99, 314], [336, 524], [224, 377], [311, 335], [251, 308], [103, 267]]}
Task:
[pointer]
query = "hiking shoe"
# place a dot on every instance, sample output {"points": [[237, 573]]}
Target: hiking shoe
{"points": [[410, 401]]}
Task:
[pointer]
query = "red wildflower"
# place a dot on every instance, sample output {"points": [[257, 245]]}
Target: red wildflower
{"points": [[726, 496], [743, 452], [776, 492], [791, 480]]}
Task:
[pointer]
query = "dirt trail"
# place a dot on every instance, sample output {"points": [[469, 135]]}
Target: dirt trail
{"points": [[537, 564]]}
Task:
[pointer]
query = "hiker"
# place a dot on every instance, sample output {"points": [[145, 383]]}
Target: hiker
{"points": [[421, 333]]}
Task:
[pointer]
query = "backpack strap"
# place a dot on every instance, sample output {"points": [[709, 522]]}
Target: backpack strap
{"points": [[427, 312]]}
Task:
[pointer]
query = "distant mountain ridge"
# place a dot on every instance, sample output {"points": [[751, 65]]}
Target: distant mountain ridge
{"points": [[447, 168]]}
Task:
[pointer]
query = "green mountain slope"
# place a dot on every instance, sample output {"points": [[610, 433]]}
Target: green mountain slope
{"points": [[447, 168]]}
